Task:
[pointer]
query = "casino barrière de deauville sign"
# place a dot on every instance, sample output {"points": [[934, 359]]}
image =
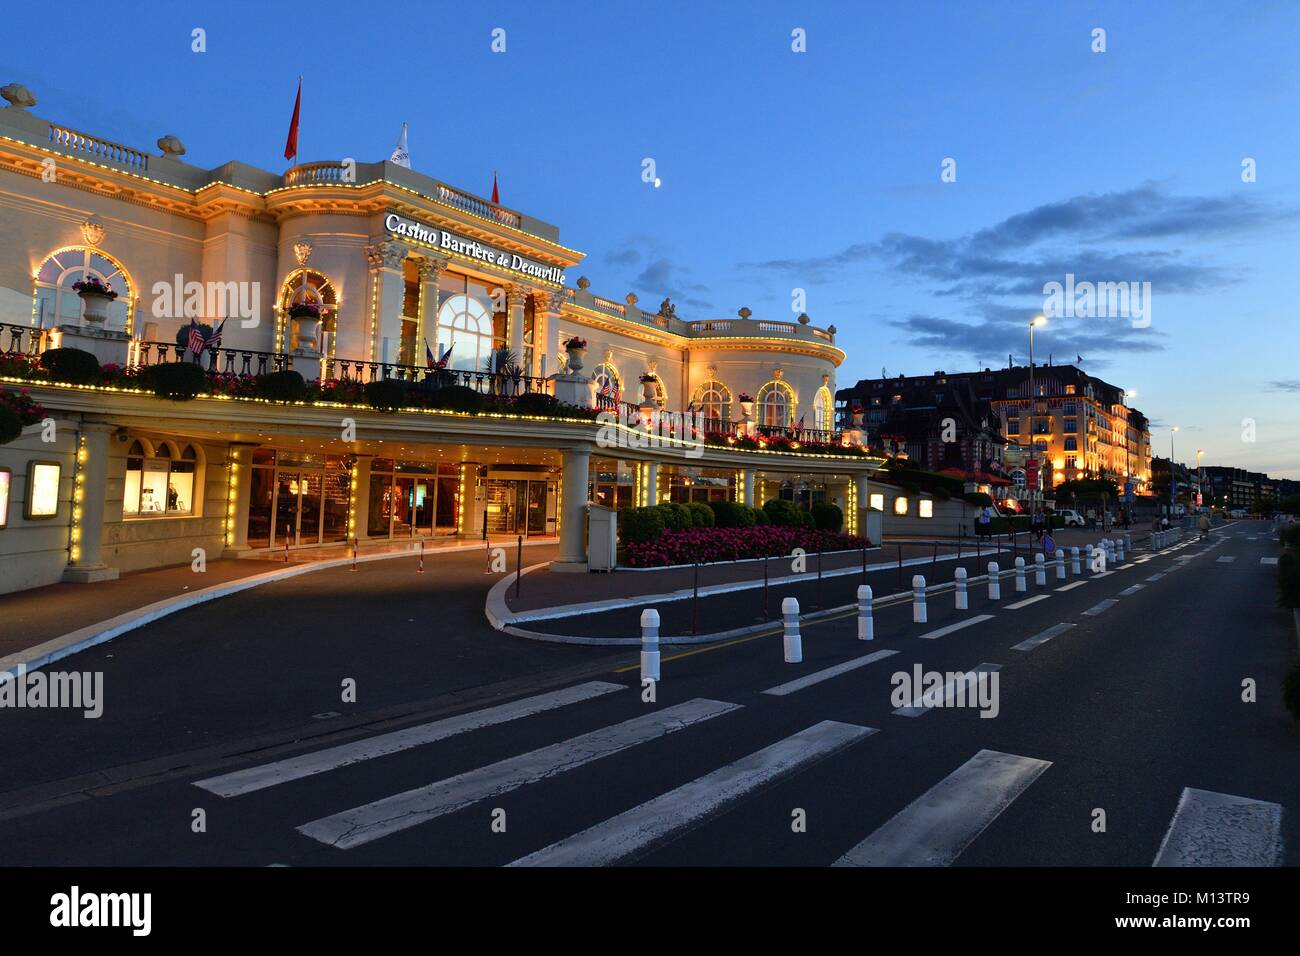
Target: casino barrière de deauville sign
{"points": [[471, 248]]}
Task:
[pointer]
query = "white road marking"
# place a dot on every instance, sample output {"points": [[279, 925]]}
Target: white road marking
{"points": [[1157, 576], [677, 810], [1072, 585], [295, 768], [1043, 637], [381, 818], [1103, 574], [800, 683], [925, 702], [977, 619], [1268, 560], [936, 827], [1218, 829], [1133, 590], [1224, 559], [1105, 605], [1027, 601]]}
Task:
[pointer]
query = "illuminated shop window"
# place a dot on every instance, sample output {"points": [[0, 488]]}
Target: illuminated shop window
{"points": [[43, 489], [876, 502], [900, 505], [925, 508], [5, 482], [159, 484]]}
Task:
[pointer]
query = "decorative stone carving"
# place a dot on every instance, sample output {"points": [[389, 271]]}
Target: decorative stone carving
{"points": [[385, 254], [744, 312], [584, 283], [92, 231], [803, 318], [711, 371], [302, 250], [777, 373], [652, 366], [831, 329], [19, 96], [430, 267], [826, 378], [171, 147], [516, 296], [543, 302], [667, 309], [631, 298]]}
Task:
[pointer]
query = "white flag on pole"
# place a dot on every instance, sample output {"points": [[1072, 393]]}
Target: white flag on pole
{"points": [[401, 156]]}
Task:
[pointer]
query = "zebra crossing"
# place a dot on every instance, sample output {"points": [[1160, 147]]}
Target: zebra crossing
{"points": [[934, 829]]}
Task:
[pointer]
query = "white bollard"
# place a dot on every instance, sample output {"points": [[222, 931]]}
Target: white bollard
{"points": [[1075, 566], [959, 581], [1020, 574], [649, 645], [790, 625], [1128, 541], [995, 582], [866, 623], [1040, 569], [1119, 550], [1088, 557], [918, 599], [1060, 564]]}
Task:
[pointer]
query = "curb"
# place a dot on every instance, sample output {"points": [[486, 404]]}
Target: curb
{"points": [[56, 648]]}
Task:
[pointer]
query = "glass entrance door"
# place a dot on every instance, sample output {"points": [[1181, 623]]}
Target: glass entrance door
{"points": [[297, 508], [286, 509]]}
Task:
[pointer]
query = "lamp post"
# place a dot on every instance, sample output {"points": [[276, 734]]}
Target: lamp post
{"points": [[1200, 477], [1035, 322], [1172, 429]]}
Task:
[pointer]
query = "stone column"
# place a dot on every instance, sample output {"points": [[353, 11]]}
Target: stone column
{"points": [[747, 488], [516, 298], [239, 458], [360, 495], [650, 494], [573, 521], [88, 512], [430, 267], [864, 503], [386, 290], [546, 305]]}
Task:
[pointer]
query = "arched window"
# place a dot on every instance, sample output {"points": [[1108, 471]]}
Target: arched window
{"points": [[608, 382], [713, 401], [823, 410], [775, 404], [465, 325], [305, 287], [57, 303]]}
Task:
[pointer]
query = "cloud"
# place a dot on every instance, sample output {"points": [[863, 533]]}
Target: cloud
{"points": [[1285, 385], [990, 340]]}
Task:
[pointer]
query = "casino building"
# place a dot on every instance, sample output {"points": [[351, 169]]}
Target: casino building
{"points": [[351, 273]]}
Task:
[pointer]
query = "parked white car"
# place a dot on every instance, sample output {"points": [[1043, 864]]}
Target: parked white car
{"points": [[1072, 518]]}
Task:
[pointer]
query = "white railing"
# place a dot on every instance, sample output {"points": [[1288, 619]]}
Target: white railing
{"points": [[310, 173], [609, 305], [479, 207], [70, 139]]}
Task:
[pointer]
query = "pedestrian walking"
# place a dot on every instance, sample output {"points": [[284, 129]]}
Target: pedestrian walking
{"points": [[1204, 525]]}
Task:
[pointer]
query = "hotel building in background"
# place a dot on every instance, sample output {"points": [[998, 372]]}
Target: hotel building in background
{"points": [[352, 270]]}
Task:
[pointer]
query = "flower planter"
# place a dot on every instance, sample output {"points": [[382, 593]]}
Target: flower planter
{"points": [[649, 393], [96, 307], [575, 360], [747, 410]]}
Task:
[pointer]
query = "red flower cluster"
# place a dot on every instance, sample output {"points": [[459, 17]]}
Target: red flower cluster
{"points": [[94, 285], [707, 545], [28, 410]]}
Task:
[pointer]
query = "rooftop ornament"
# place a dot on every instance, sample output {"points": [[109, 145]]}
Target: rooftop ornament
{"points": [[631, 298], [744, 312], [584, 283], [19, 96], [171, 146], [803, 318]]}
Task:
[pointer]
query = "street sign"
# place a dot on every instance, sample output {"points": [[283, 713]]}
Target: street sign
{"points": [[1031, 472], [1128, 492], [1049, 545]]}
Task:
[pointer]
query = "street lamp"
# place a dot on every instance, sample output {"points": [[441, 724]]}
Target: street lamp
{"points": [[1200, 477], [1036, 322], [1172, 429]]}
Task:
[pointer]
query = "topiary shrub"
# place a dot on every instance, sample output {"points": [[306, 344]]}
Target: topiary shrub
{"points": [[978, 498], [827, 517], [640, 525], [676, 517], [701, 514], [1288, 578], [536, 403], [11, 426], [731, 514], [760, 516], [285, 386], [75, 366], [458, 398], [386, 394], [178, 381], [784, 514]]}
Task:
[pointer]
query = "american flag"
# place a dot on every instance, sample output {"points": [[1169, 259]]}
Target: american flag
{"points": [[442, 362], [214, 340], [196, 338]]}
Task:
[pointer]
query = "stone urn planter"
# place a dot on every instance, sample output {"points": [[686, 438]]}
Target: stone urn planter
{"points": [[306, 325], [746, 408], [97, 298], [576, 349], [649, 393]]}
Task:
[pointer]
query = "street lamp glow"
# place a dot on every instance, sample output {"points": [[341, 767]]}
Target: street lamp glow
{"points": [[1038, 321]]}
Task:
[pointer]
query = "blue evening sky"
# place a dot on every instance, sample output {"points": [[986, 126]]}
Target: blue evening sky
{"points": [[816, 170]]}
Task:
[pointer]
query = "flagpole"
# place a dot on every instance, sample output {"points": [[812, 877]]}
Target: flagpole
{"points": [[299, 143]]}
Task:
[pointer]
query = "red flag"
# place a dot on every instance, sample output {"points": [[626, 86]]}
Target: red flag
{"points": [[291, 144], [496, 196]]}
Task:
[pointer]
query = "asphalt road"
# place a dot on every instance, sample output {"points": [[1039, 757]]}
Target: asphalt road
{"points": [[1131, 717]]}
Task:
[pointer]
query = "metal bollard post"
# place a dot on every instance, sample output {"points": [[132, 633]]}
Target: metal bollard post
{"points": [[866, 623], [1060, 564], [995, 582], [1119, 550], [1040, 569], [1088, 557], [1076, 566], [790, 630], [959, 580], [649, 645], [420, 569], [918, 599], [1020, 575]]}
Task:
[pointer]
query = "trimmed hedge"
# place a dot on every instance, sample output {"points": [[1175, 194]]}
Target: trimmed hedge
{"points": [[701, 514], [536, 403], [178, 381], [978, 498], [1288, 578], [827, 516], [285, 386], [458, 398], [732, 514], [74, 366], [385, 394], [760, 516], [676, 516], [11, 426], [640, 525], [1291, 690], [785, 514]]}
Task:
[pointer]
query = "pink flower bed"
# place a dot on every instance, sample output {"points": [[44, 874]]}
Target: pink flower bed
{"points": [[732, 544]]}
